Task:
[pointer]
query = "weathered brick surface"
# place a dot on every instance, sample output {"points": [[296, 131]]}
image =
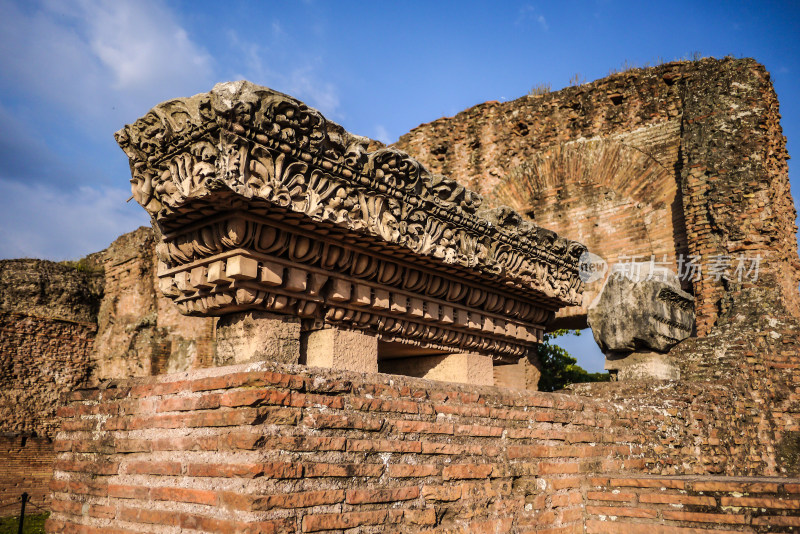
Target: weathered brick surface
{"points": [[140, 332], [26, 466], [690, 505], [40, 358], [736, 410], [332, 466], [686, 157]]}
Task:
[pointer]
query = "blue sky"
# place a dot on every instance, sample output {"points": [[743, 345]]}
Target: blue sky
{"points": [[74, 72]]}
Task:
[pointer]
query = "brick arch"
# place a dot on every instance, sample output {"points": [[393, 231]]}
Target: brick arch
{"points": [[614, 198]]}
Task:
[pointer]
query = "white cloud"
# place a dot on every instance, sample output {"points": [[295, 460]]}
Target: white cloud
{"points": [[41, 222], [141, 44], [277, 67], [88, 57], [528, 12], [71, 73], [382, 135], [542, 22], [303, 83]]}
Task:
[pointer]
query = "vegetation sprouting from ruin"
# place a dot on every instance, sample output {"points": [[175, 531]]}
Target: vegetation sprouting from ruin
{"points": [[559, 369]]}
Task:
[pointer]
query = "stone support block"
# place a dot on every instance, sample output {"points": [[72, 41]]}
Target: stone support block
{"points": [[257, 336], [341, 349], [644, 365], [521, 375], [465, 368]]}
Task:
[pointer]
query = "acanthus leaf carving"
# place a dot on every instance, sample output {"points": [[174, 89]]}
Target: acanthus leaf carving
{"points": [[245, 142]]}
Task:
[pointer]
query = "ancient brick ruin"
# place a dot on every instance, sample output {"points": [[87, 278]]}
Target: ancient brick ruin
{"points": [[220, 435]]}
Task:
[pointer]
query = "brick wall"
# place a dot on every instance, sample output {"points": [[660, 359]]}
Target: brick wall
{"points": [[683, 505], [46, 331], [277, 448], [686, 157], [736, 409], [40, 358], [26, 466], [290, 449]]}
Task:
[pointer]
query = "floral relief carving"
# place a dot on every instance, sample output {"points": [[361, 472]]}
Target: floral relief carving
{"points": [[294, 178]]}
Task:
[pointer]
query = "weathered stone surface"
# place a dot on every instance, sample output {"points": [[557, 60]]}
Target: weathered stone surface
{"points": [[642, 365], [70, 291], [683, 158], [341, 349], [140, 332], [641, 309], [264, 204], [257, 336], [524, 374], [462, 368]]}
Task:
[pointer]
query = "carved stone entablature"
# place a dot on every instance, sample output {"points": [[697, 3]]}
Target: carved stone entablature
{"points": [[264, 204]]}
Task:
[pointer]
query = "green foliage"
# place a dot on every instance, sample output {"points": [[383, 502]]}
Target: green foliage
{"points": [[559, 369], [788, 453], [34, 524], [82, 266]]}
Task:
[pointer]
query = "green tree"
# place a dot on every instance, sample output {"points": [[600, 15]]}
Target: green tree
{"points": [[559, 369]]}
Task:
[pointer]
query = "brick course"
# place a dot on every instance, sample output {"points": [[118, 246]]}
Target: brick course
{"points": [[229, 468], [402, 467], [688, 504]]}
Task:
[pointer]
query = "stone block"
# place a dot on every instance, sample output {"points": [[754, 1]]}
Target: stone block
{"points": [[341, 349], [521, 375], [241, 268], [465, 368], [257, 336], [639, 365], [641, 309]]}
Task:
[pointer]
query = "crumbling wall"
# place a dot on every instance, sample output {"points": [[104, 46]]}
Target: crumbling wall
{"points": [[686, 158], [271, 447], [683, 158], [46, 329], [279, 448], [50, 343], [40, 358], [736, 410], [70, 291], [686, 505], [46, 333], [140, 332]]}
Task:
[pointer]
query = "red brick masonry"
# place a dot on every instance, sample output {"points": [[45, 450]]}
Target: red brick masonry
{"points": [[269, 448], [39, 359], [27, 466], [685, 505]]}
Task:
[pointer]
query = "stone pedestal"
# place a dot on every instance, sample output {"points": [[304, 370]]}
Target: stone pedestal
{"points": [[341, 349], [251, 336], [643, 365], [465, 368], [521, 375]]}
